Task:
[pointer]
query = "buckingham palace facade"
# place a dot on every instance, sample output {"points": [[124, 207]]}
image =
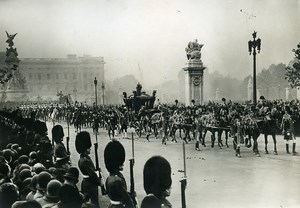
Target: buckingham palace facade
{"points": [[46, 77]]}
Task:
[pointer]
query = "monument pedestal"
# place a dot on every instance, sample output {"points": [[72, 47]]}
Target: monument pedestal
{"points": [[194, 81]]}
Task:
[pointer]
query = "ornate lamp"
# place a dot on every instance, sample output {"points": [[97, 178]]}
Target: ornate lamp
{"points": [[252, 46]]}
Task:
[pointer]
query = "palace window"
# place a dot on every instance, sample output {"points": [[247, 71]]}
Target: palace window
{"points": [[39, 76], [48, 76]]}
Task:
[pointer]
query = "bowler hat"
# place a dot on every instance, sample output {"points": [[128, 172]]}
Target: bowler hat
{"points": [[72, 173]]}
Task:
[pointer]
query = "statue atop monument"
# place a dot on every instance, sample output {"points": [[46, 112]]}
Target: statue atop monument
{"points": [[193, 50], [10, 39]]}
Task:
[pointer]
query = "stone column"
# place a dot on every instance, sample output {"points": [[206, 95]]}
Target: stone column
{"points": [[194, 82]]}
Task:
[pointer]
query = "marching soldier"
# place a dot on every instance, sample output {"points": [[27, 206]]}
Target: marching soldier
{"points": [[90, 182], [114, 157]]}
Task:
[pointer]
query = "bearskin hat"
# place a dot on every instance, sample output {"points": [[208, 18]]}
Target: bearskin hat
{"points": [[57, 133], [114, 155], [223, 99], [40, 127], [157, 176], [83, 141]]}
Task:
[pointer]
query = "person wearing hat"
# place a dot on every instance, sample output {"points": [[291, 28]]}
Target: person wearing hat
{"points": [[114, 157], [90, 182], [157, 179], [150, 201], [71, 177], [287, 126], [9, 194], [69, 197], [32, 187], [42, 181], [52, 194], [60, 152], [4, 173]]}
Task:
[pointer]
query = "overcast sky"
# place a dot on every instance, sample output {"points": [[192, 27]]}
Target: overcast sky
{"points": [[154, 33]]}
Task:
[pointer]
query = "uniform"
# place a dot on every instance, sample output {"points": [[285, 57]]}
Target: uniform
{"points": [[114, 157], [90, 182]]}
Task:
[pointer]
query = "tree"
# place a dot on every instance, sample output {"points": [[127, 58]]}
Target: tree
{"points": [[292, 72]]}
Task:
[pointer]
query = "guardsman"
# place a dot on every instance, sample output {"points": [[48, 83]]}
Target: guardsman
{"points": [[62, 158], [90, 182], [157, 179], [287, 126], [114, 157]]}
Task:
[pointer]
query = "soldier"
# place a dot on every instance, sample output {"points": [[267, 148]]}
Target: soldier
{"points": [[157, 179], [287, 126], [90, 182], [114, 157], [62, 158]]}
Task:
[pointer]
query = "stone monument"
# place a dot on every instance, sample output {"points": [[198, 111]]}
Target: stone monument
{"points": [[12, 83], [194, 74]]}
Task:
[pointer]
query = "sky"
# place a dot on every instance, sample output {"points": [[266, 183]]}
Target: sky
{"points": [[147, 38]]}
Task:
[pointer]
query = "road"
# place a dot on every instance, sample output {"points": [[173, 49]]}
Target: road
{"points": [[215, 177]]}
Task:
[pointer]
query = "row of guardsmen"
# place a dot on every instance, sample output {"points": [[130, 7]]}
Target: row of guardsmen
{"points": [[28, 180]]}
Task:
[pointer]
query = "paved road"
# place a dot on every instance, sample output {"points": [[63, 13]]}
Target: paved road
{"points": [[216, 178]]}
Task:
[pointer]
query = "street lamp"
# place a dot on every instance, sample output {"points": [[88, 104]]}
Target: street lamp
{"points": [[103, 88], [95, 83], [252, 45]]}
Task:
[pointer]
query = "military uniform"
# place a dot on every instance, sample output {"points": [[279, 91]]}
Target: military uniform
{"points": [[114, 157], [90, 182]]}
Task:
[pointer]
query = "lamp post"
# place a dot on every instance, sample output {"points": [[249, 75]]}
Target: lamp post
{"points": [[95, 83], [75, 91], [252, 45], [103, 88]]}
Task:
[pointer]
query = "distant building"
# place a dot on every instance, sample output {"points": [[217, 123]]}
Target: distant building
{"points": [[45, 77]]}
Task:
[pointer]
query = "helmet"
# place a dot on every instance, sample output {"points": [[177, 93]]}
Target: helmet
{"points": [[83, 142], [114, 155], [157, 176], [53, 188], [42, 180]]}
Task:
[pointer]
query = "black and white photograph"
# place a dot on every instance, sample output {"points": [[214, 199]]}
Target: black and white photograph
{"points": [[149, 103]]}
